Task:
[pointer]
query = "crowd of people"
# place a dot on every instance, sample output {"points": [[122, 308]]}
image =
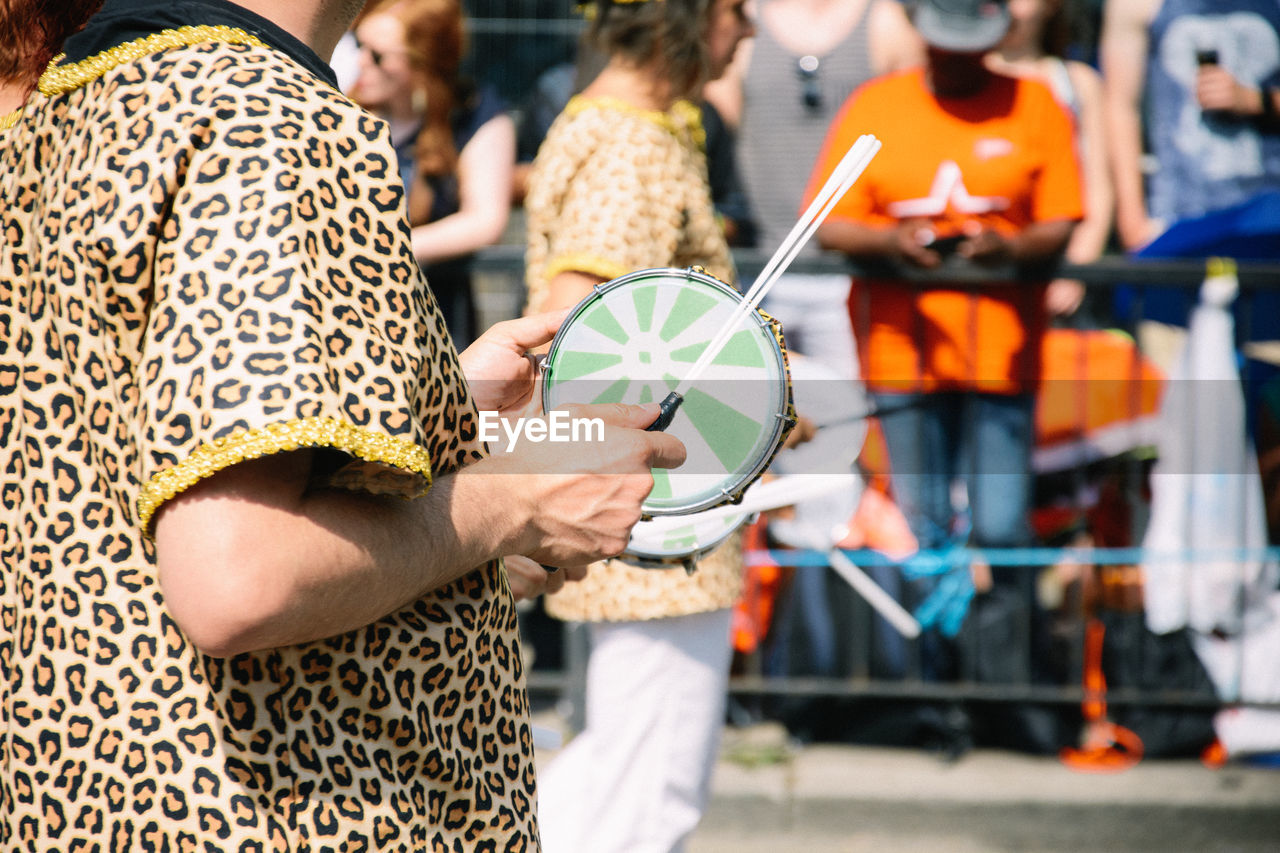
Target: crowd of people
{"points": [[260, 565]]}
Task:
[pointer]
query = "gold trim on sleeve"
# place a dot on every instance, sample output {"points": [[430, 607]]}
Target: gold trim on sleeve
{"points": [[58, 79], [684, 117], [209, 459], [583, 263]]}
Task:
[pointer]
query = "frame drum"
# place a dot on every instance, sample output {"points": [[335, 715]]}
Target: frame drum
{"points": [[634, 338]]}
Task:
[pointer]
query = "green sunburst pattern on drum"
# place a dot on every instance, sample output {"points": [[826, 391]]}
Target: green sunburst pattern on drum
{"points": [[740, 350], [729, 433], [634, 338]]}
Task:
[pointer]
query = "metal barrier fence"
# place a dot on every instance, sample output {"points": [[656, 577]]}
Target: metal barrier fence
{"points": [[501, 268], [513, 41]]}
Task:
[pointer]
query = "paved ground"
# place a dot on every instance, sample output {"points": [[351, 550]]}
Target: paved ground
{"points": [[772, 796]]}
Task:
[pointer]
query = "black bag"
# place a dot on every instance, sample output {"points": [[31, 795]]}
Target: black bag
{"points": [[1134, 657], [1003, 641]]}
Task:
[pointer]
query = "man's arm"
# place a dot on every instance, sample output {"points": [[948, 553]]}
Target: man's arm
{"points": [[1123, 51], [1217, 90], [1089, 240], [250, 558], [486, 166], [906, 241]]}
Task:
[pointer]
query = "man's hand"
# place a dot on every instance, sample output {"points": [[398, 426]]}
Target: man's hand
{"points": [[1218, 91], [502, 375], [909, 241], [529, 579], [984, 245], [581, 499]]}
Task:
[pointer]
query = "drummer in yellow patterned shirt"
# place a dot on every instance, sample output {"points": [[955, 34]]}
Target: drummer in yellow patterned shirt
{"points": [[619, 185]]}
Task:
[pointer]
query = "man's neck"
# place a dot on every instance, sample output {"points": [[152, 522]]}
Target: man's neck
{"points": [[13, 96], [640, 86], [317, 23]]}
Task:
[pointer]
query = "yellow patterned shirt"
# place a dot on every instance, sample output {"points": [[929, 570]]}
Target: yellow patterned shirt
{"points": [[615, 189]]}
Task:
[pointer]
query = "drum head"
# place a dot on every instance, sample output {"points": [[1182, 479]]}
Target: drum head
{"points": [[632, 341], [670, 540]]}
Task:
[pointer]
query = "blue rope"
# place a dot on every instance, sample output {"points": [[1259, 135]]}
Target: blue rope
{"points": [[1039, 556]]}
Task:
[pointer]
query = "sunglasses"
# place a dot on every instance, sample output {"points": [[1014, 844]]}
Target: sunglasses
{"points": [[379, 56], [807, 71]]}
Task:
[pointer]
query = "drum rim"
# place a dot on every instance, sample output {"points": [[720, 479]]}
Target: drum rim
{"points": [[734, 522], [604, 287], [783, 417]]}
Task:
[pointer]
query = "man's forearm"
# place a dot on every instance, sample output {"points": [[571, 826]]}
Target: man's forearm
{"points": [[1040, 242], [857, 240], [250, 559]]}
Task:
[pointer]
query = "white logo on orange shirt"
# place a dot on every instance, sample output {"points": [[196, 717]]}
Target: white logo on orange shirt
{"points": [[948, 190], [992, 147]]}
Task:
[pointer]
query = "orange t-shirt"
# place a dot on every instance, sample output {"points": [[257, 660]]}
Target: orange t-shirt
{"points": [[1004, 160]]}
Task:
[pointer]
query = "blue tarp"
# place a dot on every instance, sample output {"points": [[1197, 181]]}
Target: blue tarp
{"points": [[1249, 231]]}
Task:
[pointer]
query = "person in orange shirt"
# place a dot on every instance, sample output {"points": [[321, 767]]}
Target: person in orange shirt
{"points": [[982, 166]]}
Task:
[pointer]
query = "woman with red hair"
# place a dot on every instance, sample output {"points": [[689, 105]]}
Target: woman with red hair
{"points": [[455, 141], [31, 32]]}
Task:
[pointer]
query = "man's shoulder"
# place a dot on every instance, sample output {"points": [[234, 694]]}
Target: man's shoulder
{"points": [[1034, 97], [223, 85], [209, 81], [888, 93], [903, 83]]}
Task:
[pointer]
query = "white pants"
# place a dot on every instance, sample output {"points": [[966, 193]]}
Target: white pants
{"points": [[636, 779]]}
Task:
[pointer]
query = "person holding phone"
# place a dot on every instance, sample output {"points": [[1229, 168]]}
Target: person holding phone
{"points": [[1195, 79]]}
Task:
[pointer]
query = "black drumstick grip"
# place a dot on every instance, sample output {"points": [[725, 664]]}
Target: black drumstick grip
{"points": [[668, 407]]}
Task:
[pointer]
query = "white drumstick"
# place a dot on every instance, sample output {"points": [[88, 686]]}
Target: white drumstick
{"points": [[849, 169], [893, 612]]}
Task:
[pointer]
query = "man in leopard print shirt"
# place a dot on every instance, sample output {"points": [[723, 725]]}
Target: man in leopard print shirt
{"points": [[251, 594]]}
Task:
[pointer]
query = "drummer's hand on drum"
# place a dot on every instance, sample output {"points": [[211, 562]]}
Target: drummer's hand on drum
{"points": [[529, 579], [503, 377], [804, 430], [582, 498]]}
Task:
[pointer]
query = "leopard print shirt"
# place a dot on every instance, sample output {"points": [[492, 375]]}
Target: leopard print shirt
{"points": [[206, 260], [615, 189]]}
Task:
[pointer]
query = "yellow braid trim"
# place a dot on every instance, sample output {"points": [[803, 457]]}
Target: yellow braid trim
{"points": [[584, 263], [683, 116], [209, 459], [58, 79]]}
